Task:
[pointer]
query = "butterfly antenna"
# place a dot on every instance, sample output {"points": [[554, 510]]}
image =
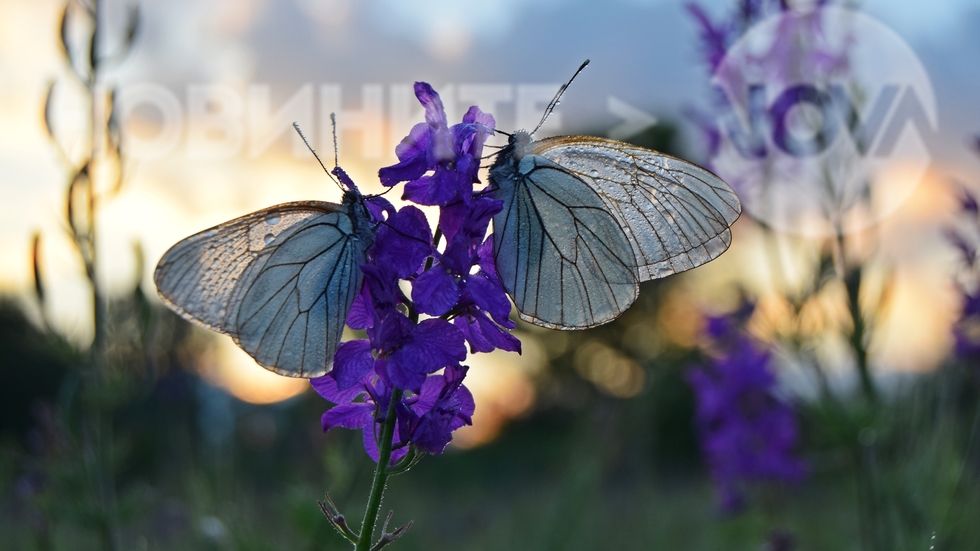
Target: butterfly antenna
{"points": [[336, 154], [555, 100], [308, 146]]}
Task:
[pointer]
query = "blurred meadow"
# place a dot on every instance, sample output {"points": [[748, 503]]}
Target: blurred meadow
{"points": [[816, 387]]}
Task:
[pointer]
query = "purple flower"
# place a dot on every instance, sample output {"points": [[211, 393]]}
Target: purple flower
{"points": [[403, 242], [425, 419], [968, 202], [402, 352], [714, 38], [438, 290], [413, 352], [442, 406], [966, 328], [455, 282], [747, 433], [451, 154], [361, 407]]}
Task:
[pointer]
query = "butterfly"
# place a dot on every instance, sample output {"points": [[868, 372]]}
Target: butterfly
{"points": [[279, 281], [586, 219]]}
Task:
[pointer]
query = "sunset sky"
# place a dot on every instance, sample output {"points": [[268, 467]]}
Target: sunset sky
{"points": [[508, 56]]}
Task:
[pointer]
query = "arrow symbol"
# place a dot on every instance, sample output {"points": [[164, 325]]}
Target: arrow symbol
{"points": [[634, 120]]}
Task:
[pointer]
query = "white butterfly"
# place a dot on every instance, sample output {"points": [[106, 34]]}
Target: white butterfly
{"points": [[586, 219], [279, 281]]}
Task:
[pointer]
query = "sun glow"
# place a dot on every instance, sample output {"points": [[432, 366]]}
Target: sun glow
{"points": [[229, 367]]}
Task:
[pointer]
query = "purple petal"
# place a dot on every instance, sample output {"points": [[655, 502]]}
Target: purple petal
{"points": [[361, 314], [370, 439], [379, 207], [397, 453], [434, 428], [489, 296], [403, 376], [438, 189], [391, 333], [435, 116], [471, 135], [407, 419], [352, 362], [403, 242], [326, 387], [451, 218], [968, 202], [348, 416], [467, 168], [457, 258], [452, 380], [475, 116], [473, 334], [466, 408], [432, 345], [488, 266], [970, 304], [747, 434], [435, 291], [485, 335], [382, 283], [482, 211], [379, 391], [415, 144], [412, 153], [433, 432], [714, 39], [720, 327], [429, 393]]}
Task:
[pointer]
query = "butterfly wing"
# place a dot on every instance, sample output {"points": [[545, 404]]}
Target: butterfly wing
{"points": [[676, 214], [559, 253], [279, 281]]}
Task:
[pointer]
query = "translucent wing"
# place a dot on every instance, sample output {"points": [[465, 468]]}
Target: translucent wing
{"points": [[279, 281], [559, 253], [676, 214]]}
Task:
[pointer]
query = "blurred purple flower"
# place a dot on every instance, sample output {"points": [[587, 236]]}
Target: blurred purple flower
{"points": [[965, 237], [797, 51], [715, 38], [747, 433]]}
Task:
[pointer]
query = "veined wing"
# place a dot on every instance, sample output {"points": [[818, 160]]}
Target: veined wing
{"points": [[676, 214], [279, 281], [560, 255]]}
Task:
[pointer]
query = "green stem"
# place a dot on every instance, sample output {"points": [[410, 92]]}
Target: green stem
{"points": [[859, 336], [380, 476]]}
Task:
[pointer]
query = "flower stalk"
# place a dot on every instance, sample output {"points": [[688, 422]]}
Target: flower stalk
{"points": [[381, 474]]}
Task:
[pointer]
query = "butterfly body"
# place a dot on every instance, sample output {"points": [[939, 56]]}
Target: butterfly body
{"points": [[279, 281], [586, 219]]}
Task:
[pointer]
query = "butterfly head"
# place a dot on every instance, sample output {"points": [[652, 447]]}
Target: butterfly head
{"points": [[519, 142], [514, 151]]}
